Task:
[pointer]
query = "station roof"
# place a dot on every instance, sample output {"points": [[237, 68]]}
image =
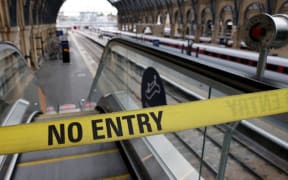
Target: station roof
{"points": [[46, 11], [139, 5], [43, 11]]}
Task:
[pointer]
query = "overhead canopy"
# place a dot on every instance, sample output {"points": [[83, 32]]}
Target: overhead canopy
{"points": [[46, 11], [43, 11], [139, 5]]}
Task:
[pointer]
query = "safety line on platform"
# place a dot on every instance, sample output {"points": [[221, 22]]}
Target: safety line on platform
{"points": [[65, 158]]}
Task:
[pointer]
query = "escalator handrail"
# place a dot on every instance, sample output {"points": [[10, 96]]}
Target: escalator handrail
{"points": [[231, 79]]}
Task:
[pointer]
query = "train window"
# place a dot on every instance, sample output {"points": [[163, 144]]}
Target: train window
{"points": [[244, 61], [271, 67], [254, 63], [250, 63], [280, 69], [232, 58], [285, 70]]}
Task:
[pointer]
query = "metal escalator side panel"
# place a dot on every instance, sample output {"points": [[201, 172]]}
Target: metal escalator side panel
{"points": [[16, 115], [17, 81], [12, 163], [15, 75]]}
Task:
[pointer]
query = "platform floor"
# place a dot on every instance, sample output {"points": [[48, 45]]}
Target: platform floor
{"points": [[65, 83]]}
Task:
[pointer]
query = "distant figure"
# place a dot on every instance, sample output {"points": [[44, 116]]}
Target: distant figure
{"points": [[197, 52], [189, 49], [182, 48]]}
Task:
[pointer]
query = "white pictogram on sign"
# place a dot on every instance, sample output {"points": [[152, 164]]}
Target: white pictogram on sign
{"points": [[152, 89]]}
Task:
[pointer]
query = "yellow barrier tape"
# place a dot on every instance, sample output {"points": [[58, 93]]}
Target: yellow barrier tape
{"points": [[138, 123]]}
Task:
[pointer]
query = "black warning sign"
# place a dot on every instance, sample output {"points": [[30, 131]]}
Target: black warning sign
{"points": [[152, 90]]}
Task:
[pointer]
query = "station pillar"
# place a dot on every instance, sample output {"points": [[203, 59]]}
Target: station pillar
{"points": [[197, 33], [236, 37], [172, 31], [214, 34]]}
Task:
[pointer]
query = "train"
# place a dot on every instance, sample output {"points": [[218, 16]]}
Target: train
{"points": [[218, 52]]}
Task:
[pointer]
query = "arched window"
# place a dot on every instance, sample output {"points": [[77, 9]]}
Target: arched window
{"points": [[159, 19], [177, 17], [228, 27], [226, 23], [283, 8], [253, 9], [206, 22], [147, 30], [167, 25]]}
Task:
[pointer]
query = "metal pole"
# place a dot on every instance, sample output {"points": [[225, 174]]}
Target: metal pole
{"points": [[262, 61], [225, 151], [202, 154], [204, 140]]}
